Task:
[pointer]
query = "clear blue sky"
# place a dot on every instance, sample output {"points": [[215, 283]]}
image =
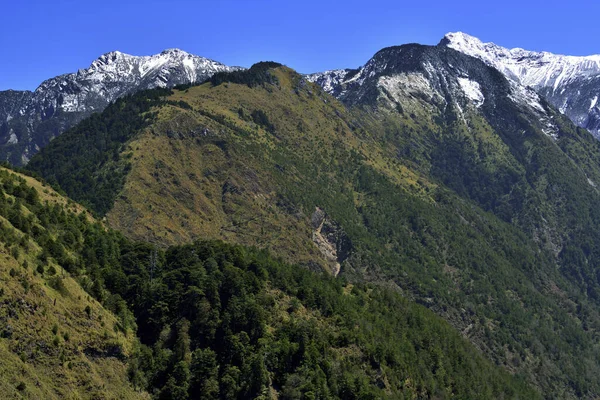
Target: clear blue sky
{"points": [[42, 39]]}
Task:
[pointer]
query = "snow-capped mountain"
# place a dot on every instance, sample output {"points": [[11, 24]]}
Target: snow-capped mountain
{"points": [[29, 120], [570, 83], [415, 77], [331, 80]]}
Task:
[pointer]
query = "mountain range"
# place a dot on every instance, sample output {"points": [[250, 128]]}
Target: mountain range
{"points": [[569, 83], [431, 173], [31, 119], [258, 232]]}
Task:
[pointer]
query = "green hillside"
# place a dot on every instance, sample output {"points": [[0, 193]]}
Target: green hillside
{"points": [[265, 158], [222, 321], [56, 341], [212, 321]]}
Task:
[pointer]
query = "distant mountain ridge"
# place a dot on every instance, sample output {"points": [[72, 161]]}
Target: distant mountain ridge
{"points": [[29, 120], [415, 73], [570, 83]]}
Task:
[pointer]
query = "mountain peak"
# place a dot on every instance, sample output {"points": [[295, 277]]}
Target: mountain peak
{"points": [[570, 83], [109, 58], [71, 97], [114, 53], [459, 37], [175, 51], [473, 46], [117, 56]]}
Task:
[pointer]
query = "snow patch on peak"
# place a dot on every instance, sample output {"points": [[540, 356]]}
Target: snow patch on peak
{"points": [[108, 58], [594, 102], [569, 83], [175, 51], [463, 40], [112, 55], [115, 74], [472, 90], [530, 68], [328, 80], [527, 97]]}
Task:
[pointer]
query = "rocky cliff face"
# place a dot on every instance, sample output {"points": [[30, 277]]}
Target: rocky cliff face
{"points": [[331, 239], [571, 84], [410, 77], [29, 120]]}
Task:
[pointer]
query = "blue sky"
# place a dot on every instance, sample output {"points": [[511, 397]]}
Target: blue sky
{"points": [[42, 39]]}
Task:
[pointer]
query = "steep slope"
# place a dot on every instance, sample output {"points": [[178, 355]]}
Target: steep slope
{"points": [[395, 190], [570, 83], [489, 139], [215, 321], [222, 321], [29, 120], [55, 341]]}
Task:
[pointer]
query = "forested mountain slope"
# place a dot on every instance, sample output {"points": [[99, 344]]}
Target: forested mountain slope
{"points": [[438, 177], [56, 340], [212, 320], [492, 141]]}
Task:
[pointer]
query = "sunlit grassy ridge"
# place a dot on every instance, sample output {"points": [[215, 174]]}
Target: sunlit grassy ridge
{"points": [[209, 168], [57, 342]]}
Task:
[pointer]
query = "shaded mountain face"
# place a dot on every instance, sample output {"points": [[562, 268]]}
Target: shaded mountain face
{"points": [[29, 120], [465, 124], [438, 176], [570, 83]]}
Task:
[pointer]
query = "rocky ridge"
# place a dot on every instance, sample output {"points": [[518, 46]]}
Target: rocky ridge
{"points": [[29, 120]]}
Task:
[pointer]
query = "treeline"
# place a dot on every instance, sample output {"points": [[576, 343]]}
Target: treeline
{"points": [[257, 75], [73, 165]]}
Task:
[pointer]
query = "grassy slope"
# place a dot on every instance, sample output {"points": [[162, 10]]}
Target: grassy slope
{"points": [[70, 363], [193, 176]]}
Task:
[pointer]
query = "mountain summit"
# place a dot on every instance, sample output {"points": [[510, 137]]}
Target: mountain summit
{"points": [[29, 120], [570, 83]]}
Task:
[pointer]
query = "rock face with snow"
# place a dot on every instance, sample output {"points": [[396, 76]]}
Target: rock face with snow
{"points": [[441, 80], [331, 80], [29, 120], [570, 83]]}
